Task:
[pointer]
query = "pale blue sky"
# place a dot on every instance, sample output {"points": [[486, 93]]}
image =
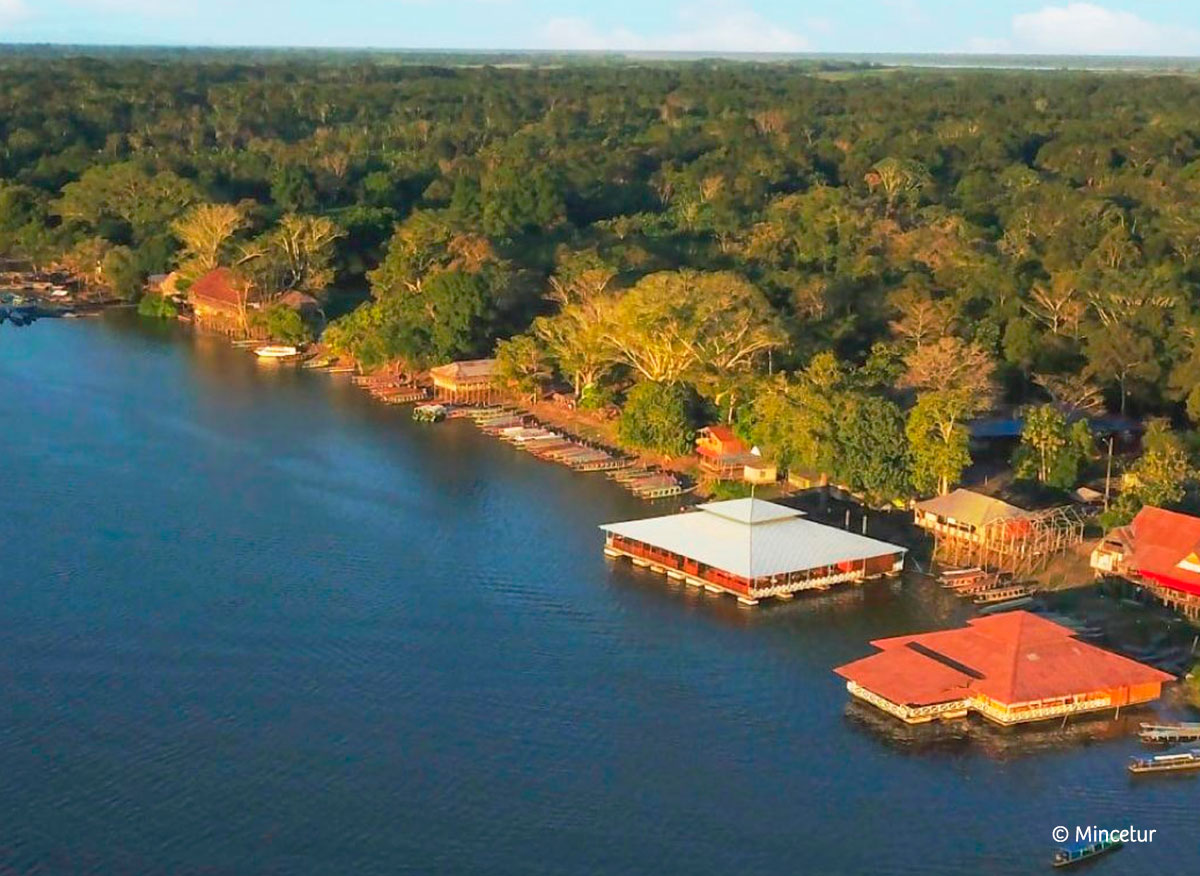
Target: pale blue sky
{"points": [[1141, 27]]}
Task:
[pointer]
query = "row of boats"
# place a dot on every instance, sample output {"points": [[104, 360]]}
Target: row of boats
{"points": [[522, 430], [986, 588]]}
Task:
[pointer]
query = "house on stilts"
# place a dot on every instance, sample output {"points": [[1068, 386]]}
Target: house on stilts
{"points": [[470, 382], [972, 529], [1160, 551]]}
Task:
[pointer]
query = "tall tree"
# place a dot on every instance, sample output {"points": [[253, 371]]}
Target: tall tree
{"points": [[205, 233]]}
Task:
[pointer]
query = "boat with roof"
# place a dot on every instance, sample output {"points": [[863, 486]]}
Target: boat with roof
{"points": [[1166, 763], [1069, 854]]}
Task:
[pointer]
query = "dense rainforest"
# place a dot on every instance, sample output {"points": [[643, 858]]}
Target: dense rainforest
{"points": [[849, 265]]}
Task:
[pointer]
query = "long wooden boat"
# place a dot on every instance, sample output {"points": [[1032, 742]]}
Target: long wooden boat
{"points": [[277, 351], [1002, 594], [1077, 853], [1165, 763], [1169, 732]]}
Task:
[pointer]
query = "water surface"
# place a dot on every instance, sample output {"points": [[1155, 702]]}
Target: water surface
{"points": [[255, 623]]}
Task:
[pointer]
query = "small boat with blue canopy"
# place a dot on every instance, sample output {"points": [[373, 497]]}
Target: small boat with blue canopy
{"points": [[1083, 850]]}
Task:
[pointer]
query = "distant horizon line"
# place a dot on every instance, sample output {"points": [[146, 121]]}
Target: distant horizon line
{"points": [[690, 53]]}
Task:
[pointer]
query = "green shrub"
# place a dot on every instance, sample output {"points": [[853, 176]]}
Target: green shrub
{"points": [[157, 307], [660, 417]]}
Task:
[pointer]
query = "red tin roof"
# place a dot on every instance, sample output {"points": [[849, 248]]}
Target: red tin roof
{"points": [[1161, 540], [1016, 657], [216, 285]]}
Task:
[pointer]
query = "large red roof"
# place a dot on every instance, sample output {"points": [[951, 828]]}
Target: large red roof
{"points": [[216, 285], [1161, 540], [1016, 657]]}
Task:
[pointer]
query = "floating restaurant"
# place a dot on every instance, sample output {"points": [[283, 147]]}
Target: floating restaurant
{"points": [[1011, 668], [751, 549]]}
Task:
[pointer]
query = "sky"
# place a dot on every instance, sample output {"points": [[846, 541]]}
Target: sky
{"points": [[1119, 27]]}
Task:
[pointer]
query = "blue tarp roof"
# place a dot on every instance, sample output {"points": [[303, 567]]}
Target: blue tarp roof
{"points": [[1010, 427]]}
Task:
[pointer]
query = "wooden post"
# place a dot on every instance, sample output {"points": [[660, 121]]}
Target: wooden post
{"points": [[1108, 473]]}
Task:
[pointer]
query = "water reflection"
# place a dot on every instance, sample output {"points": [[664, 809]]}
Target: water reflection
{"points": [[993, 740]]}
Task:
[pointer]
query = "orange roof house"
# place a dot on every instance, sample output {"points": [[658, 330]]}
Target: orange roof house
{"points": [[1160, 549], [218, 303], [1011, 668], [216, 290], [725, 456], [715, 442]]}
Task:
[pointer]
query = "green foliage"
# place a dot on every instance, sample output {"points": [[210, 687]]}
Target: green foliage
{"points": [[282, 324], [515, 202], [292, 189], [938, 442], [660, 417], [157, 307], [122, 273], [920, 224], [1191, 686], [1160, 477], [125, 202], [1193, 405], [1052, 451], [521, 362], [723, 490], [595, 398], [872, 448]]}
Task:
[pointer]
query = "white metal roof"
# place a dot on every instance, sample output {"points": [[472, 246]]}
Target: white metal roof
{"points": [[774, 544], [751, 510]]}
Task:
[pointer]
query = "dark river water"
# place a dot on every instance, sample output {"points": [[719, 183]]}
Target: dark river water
{"points": [[253, 622]]}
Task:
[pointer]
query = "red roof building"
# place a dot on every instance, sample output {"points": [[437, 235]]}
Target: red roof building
{"points": [[216, 289], [714, 442], [724, 456], [1159, 549], [1011, 668]]}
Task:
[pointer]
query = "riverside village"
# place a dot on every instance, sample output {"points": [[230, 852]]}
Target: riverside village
{"points": [[878, 380]]}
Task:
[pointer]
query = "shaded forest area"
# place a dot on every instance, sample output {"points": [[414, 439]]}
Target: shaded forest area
{"points": [[848, 265]]}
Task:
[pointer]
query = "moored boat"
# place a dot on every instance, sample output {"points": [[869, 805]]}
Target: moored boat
{"points": [[276, 351], [1076, 853], [1167, 733], [1166, 763], [433, 413]]}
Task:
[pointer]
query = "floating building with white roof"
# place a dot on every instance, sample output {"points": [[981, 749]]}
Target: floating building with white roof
{"points": [[752, 549]]}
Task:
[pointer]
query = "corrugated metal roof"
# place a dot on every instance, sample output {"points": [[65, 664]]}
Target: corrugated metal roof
{"points": [[1162, 539], [1016, 657], [750, 511], [967, 506], [779, 540], [468, 369]]}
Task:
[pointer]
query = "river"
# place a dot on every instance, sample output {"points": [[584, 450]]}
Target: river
{"points": [[254, 622]]}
